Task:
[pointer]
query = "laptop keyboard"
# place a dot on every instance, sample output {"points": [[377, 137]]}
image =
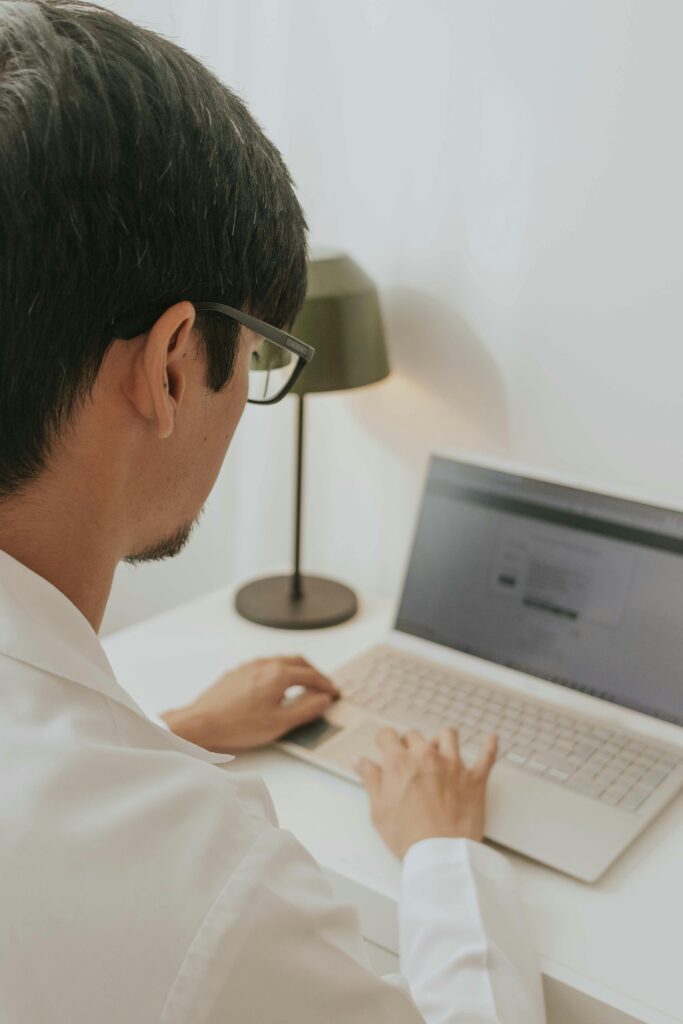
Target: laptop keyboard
{"points": [[613, 767]]}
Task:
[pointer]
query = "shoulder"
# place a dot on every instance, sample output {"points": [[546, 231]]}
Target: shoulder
{"points": [[116, 847]]}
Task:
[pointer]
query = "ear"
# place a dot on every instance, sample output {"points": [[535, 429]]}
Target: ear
{"points": [[160, 374]]}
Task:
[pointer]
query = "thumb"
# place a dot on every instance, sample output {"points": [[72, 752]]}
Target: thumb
{"points": [[305, 708]]}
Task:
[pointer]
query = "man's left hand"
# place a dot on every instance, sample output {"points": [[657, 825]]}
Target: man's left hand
{"points": [[245, 708]]}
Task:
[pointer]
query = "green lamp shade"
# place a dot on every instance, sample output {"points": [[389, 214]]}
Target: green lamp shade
{"points": [[341, 318]]}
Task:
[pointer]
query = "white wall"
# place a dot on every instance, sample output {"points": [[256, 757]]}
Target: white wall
{"points": [[510, 174]]}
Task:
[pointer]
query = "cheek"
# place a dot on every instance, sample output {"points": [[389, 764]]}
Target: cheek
{"points": [[236, 395], [223, 413], [232, 403]]}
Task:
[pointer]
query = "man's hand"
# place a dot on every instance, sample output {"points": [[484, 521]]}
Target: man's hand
{"points": [[422, 789], [244, 708]]}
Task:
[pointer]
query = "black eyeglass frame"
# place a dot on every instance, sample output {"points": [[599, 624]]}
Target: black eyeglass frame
{"points": [[305, 352]]}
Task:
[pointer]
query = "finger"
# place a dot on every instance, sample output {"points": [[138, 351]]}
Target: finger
{"points": [[286, 675], [484, 763], [305, 708], [415, 741], [298, 661], [370, 774], [448, 744], [389, 741], [293, 659]]}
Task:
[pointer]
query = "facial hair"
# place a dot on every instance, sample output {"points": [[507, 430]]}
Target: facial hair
{"points": [[167, 547]]}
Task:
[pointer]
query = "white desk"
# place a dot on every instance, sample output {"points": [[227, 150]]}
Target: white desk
{"points": [[611, 953]]}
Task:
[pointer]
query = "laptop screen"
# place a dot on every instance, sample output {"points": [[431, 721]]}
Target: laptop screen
{"points": [[578, 588]]}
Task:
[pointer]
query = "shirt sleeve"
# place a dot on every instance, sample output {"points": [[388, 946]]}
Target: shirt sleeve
{"points": [[464, 943], [277, 947]]}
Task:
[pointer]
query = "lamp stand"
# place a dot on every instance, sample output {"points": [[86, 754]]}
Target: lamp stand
{"points": [[296, 601]]}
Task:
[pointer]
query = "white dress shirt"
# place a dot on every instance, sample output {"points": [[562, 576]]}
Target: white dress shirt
{"points": [[142, 880]]}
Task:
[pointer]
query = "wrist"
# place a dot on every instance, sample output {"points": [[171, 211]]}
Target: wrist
{"points": [[189, 724]]}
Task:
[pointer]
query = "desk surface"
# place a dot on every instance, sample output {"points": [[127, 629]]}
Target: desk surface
{"points": [[619, 942]]}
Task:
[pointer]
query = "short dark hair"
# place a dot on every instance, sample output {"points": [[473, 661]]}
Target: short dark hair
{"points": [[130, 178]]}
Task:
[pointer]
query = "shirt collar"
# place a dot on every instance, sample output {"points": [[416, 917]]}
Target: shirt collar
{"points": [[40, 626]]}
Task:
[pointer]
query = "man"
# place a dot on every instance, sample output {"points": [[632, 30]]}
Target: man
{"points": [[139, 880]]}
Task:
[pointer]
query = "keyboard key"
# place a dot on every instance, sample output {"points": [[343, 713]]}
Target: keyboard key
{"points": [[592, 768], [612, 796], [608, 775], [655, 775], [476, 741], [621, 783], [583, 774], [588, 787], [584, 749], [620, 761], [558, 774], [634, 798], [535, 766], [553, 759], [645, 760], [611, 747], [515, 757]]}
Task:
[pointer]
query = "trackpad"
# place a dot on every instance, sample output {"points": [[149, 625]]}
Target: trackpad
{"points": [[311, 734], [351, 742]]}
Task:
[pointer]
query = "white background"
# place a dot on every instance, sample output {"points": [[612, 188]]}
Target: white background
{"points": [[509, 172]]}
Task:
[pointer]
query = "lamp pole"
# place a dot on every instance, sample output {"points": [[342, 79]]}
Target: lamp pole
{"points": [[296, 592], [296, 601]]}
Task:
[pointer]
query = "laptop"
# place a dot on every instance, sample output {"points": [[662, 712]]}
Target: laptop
{"points": [[551, 615]]}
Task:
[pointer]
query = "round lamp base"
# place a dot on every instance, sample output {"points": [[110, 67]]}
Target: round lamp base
{"points": [[322, 603]]}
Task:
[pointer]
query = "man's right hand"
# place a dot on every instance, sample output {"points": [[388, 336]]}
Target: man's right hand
{"points": [[422, 789]]}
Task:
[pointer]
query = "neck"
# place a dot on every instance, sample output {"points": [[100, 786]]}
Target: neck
{"points": [[61, 535]]}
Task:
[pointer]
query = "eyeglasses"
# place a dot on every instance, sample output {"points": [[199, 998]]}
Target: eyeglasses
{"points": [[275, 365]]}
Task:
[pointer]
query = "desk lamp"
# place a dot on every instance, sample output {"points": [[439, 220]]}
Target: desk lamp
{"points": [[341, 317]]}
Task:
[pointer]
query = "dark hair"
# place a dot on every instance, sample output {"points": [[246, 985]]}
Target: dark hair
{"points": [[130, 178]]}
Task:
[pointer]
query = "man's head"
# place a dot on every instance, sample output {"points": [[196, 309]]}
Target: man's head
{"points": [[130, 179]]}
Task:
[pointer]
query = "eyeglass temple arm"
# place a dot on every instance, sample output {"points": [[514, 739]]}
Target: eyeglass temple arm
{"points": [[273, 334]]}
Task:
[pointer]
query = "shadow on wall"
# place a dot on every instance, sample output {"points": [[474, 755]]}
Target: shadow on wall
{"points": [[368, 448], [444, 389]]}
